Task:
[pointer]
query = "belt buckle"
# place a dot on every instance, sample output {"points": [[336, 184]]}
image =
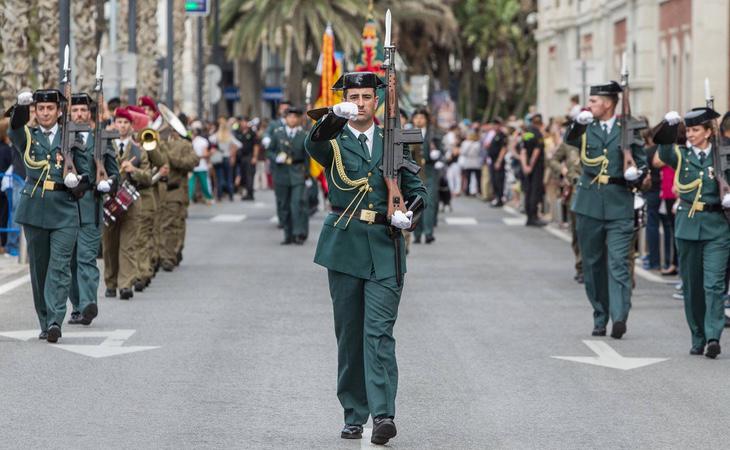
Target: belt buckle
{"points": [[367, 215], [289, 161], [603, 179], [699, 206], [48, 185]]}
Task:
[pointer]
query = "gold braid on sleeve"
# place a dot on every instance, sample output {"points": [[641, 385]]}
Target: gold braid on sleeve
{"points": [[689, 187], [31, 163], [361, 184]]}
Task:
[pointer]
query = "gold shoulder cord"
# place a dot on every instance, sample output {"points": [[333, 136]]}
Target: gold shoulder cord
{"points": [[689, 187], [593, 162], [43, 166], [361, 184]]}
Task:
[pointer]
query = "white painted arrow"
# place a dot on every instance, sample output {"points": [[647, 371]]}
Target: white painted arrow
{"points": [[101, 350], [111, 346], [608, 357]]}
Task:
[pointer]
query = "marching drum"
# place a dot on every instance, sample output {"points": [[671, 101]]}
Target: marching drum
{"points": [[116, 205]]}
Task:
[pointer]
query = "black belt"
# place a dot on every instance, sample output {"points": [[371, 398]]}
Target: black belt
{"points": [[706, 207], [617, 180], [364, 215]]}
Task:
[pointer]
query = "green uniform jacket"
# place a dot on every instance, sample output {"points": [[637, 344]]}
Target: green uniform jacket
{"points": [[605, 201], [702, 225], [359, 248], [295, 170], [46, 209], [182, 160], [90, 204]]}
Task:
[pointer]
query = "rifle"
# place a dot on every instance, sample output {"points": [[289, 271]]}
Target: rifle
{"points": [[628, 124], [68, 127], [393, 139], [720, 154], [101, 136]]}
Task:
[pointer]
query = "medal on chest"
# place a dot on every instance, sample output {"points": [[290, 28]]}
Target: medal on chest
{"points": [[59, 160]]}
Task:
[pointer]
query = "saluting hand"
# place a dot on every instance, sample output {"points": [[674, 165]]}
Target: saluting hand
{"points": [[585, 117], [672, 118], [346, 110], [25, 98]]}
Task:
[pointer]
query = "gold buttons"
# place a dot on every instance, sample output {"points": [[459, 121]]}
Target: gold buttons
{"points": [[370, 189], [370, 174], [370, 205]]}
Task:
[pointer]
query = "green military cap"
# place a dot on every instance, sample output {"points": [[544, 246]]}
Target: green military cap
{"points": [[48, 96], [81, 98], [698, 116], [609, 89], [352, 80], [294, 110]]}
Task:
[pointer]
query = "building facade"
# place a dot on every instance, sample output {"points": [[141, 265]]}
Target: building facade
{"points": [[671, 47]]}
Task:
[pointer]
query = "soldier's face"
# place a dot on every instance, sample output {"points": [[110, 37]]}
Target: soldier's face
{"points": [[420, 121], [80, 113], [292, 120], [47, 114], [698, 135], [601, 107], [123, 125], [366, 102]]}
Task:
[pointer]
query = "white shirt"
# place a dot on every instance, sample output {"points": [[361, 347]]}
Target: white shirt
{"points": [[705, 151], [369, 133], [200, 145], [291, 131], [609, 124], [126, 143], [84, 136], [53, 131]]}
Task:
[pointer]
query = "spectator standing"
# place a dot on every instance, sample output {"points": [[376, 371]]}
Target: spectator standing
{"points": [[496, 153], [223, 157], [200, 173], [532, 158], [653, 201], [247, 157], [471, 162]]}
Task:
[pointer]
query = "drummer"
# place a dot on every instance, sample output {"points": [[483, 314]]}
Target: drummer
{"points": [[119, 238]]}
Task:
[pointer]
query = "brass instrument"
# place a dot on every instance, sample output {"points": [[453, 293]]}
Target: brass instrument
{"points": [[148, 139]]}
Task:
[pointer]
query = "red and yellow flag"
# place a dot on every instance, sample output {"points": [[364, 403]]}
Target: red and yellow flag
{"points": [[330, 71]]}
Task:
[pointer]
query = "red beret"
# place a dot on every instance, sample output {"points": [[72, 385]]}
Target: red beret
{"points": [[123, 113], [147, 101], [137, 109]]}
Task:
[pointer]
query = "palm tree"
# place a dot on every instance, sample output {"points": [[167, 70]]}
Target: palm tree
{"points": [[48, 41], [82, 12], [148, 73], [15, 61], [179, 32]]}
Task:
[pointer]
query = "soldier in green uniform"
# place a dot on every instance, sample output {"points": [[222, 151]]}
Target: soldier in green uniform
{"points": [[702, 232], [48, 210], [432, 164], [604, 208], [566, 161], [355, 247], [84, 272], [290, 169]]}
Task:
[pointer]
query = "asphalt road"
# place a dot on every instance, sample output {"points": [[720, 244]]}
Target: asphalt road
{"points": [[246, 354]]}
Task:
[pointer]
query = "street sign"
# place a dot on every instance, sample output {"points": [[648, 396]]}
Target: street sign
{"points": [[232, 93], [272, 93], [197, 7]]}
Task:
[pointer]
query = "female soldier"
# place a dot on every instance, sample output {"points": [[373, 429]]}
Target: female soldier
{"points": [[702, 233]]}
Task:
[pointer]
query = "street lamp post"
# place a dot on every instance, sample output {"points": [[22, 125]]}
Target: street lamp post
{"points": [[170, 50], [132, 45]]}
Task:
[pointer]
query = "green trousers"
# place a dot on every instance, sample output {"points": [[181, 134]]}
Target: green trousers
{"points": [[702, 268], [604, 247], [49, 253], [291, 210], [84, 272], [430, 214], [367, 373]]}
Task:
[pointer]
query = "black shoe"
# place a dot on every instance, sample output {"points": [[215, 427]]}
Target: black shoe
{"points": [[417, 240], [287, 241], [383, 430], [599, 331], [89, 314], [54, 332], [618, 329], [43, 336], [713, 349], [139, 286], [535, 223], [125, 294], [351, 432], [75, 318], [147, 282], [168, 266], [430, 239], [697, 351], [110, 293], [299, 240], [497, 205], [579, 278]]}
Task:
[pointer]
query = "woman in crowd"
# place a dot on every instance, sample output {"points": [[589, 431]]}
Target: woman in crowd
{"points": [[223, 157], [470, 160]]}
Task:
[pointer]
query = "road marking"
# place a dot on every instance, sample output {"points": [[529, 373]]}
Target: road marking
{"points": [[511, 210], [260, 205], [10, 285], [608, 357], [110, 346], [229, 218], [367, 433], [558, 233], [513, 221], [461, 221]]}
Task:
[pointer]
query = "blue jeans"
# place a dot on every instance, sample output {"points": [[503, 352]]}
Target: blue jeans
{"points": [[652, 227], [223, 178], [11, 245]]}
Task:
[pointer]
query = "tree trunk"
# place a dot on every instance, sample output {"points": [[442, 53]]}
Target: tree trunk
{"points": [[179, 48], [15, 61], [82, 13], [149, 77], [294, 77], [249, 84], [48, 23]]}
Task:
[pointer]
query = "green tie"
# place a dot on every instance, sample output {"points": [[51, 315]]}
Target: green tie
{"points": [[363, 139]]}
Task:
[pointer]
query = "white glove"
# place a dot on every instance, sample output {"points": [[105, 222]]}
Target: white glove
{"points": [[281, 158], [346, 110], [266, 141], [400, 220], [104, 186], [308, 182], [7, 183], [439, 165], [672, 118], [25, 98], [435, 154], [726, 201], [71, 180], [632, 173], [584, 117]]}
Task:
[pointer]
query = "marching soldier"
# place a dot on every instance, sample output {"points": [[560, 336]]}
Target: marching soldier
{"points": [[702, 232], [84, 272], [120, 239], [431, 164], [290, 168], [48, 209], [604, 208], [355, 247]]}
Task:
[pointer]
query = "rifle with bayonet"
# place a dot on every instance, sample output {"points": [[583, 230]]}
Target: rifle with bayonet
{"points": [[393, 140], [68, 127], [629, 125], [720, 153], [101, 136]]}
